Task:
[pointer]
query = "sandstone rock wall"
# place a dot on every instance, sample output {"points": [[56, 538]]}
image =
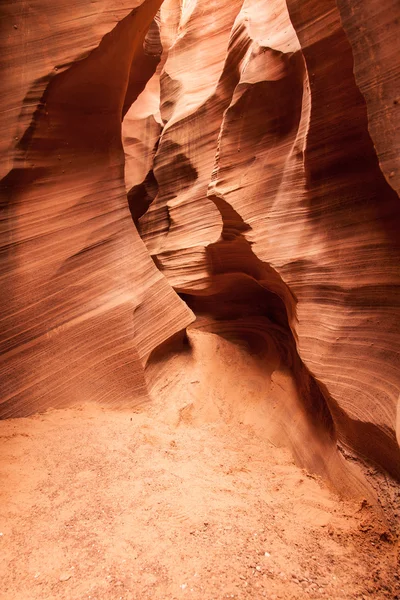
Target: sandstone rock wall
{"points": [[255, 191], [79, 290], [280, 127]]}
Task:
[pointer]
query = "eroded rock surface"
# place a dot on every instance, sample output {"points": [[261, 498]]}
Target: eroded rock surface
{"points": [[250, 191], [276, 135], [79, 290]]}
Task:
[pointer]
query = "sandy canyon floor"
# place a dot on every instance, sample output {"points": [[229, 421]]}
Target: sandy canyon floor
{"points": [[105, 505]]}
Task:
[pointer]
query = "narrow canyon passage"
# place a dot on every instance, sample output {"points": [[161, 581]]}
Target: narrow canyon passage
{"points": [[200, 300]]}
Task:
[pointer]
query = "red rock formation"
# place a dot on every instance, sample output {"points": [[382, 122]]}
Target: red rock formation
{"points": [[372, 29], [260, 144], [306, 211], [79, 289]]}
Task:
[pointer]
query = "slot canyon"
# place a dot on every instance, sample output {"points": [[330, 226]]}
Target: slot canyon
{"points": [[200, 299]]}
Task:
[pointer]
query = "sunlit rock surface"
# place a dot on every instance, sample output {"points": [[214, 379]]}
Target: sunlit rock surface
{"points": [[228, 166]]}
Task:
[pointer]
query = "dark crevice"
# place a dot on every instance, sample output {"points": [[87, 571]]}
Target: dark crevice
{"points": [[382, 451], [252, 297], [141, 196]]}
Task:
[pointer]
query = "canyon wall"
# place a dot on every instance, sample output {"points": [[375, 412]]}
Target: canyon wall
{"points": [[79, 290], [231, 168]]}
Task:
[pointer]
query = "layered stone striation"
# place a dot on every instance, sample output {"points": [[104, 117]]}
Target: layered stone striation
{"points": [[233, 165]]}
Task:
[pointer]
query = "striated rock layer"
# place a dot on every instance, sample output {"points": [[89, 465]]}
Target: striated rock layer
{"points": [[233, 166], [273, 201], [80, 294]]}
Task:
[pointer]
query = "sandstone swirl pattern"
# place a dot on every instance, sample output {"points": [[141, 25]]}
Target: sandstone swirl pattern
{"points": [[79, 290], [261, 167]]}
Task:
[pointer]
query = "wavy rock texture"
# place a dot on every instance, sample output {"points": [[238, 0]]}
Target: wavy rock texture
{"points": [[372, 28], [270, 135], [79, 290], [259, 165]]}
